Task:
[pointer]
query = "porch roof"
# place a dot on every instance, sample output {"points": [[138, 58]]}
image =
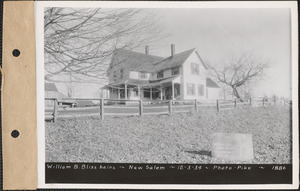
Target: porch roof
{"points": [[211, 84], [129, 82], [163, 81], [142, 83]]}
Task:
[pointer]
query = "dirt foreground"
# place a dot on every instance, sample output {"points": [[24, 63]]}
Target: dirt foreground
{"points": [[180, 138]]}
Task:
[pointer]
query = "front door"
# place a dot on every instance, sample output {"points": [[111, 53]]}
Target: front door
{"points": [[168, 93], [176, 92]]}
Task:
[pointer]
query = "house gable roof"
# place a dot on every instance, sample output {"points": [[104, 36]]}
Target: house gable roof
{"points": [[50, 87], [211, 84], [173, 61], [133, 61], [198, 55]]}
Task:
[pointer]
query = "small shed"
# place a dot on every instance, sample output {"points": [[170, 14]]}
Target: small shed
{"points": [[51, 91]]}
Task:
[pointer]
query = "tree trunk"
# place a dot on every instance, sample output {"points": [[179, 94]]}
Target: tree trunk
{"points": [[236, 94]]}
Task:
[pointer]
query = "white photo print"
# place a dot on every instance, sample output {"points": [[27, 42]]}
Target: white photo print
{"points": [[196, 91]]}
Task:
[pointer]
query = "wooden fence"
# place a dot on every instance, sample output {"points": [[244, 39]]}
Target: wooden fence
{"points": [[51, 115], [262, 102], [115, 107], [230, 104]]}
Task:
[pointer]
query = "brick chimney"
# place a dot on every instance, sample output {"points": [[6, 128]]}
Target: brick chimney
{"points": [[147, 50], [172, 49]]}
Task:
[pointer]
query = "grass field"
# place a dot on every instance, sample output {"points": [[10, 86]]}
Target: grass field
{"points": [[180, 138]]}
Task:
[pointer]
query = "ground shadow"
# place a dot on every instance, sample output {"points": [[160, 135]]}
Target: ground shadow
{"points": [[202, 152]]}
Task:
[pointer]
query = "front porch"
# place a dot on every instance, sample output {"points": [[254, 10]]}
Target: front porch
{"points": [[166, 89]]}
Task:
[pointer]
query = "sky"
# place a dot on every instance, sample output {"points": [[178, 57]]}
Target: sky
{"points": [[217, 33]]}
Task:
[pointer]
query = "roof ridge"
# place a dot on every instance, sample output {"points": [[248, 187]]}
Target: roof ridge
{"points": [[120, 49], [184, 52], [144, 62], [170, 57], [164, 58]]}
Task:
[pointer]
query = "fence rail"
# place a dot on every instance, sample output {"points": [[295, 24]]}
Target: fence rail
{"points": [[52, 115], [115, 107]]}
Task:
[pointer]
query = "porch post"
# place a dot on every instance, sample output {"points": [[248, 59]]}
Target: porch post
{"points": [[139, 92], [125, 91], [55, 110], [102, 93], [102, 108], [151, 93], [173, 91], [161, 93], [119, 97]]}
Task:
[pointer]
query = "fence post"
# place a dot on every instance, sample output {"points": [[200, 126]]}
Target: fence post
{"points": [[263, 102], [196, 105], [141, 107], [55, 111], [170, 107], [102, 108], [235, 102], [218, 105], [250, 101]]}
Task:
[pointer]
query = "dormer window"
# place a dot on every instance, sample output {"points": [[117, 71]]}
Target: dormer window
{"points": [[160, 74], [175, 71]]}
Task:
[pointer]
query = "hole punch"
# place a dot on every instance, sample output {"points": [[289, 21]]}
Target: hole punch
{"points": [[15, 133], [16, 52]]}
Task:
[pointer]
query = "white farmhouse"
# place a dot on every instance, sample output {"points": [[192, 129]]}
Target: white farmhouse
{"points": [[181, 76]]}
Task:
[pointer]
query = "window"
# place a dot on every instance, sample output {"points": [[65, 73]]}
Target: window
{"points": [[195, 68], [142, 75], [160, 74], [115, 76], [121, 73], [190, 89], [200, 90], [175, 71]]}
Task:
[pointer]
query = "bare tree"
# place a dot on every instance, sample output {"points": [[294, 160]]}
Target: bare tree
{"points": [[81, 41], [237, 72], [226, 91], [70, 87]]}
